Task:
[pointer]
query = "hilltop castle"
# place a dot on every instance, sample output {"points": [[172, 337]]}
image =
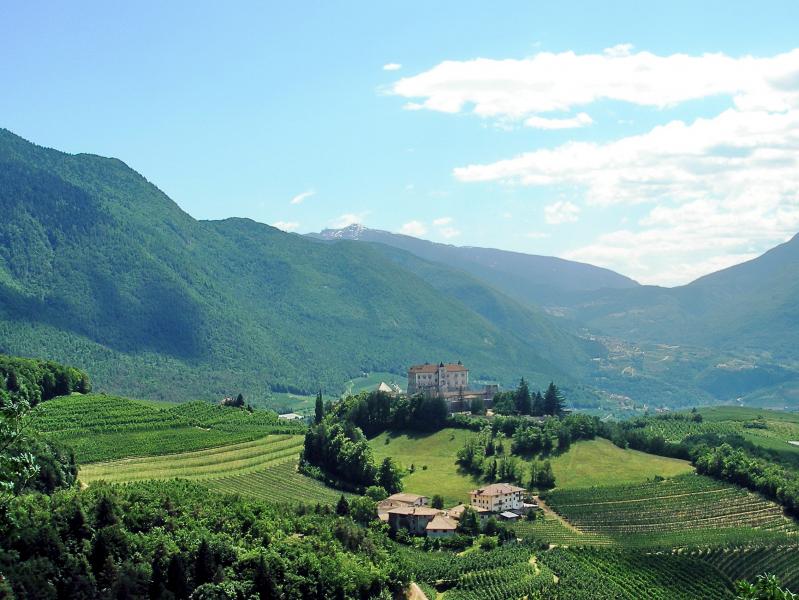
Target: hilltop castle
{"points": [[448, 381]]}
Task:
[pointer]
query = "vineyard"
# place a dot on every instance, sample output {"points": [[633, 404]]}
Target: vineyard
{"points": [[100, 427], [686, 510], [552, 530], [747, 562], [277, 483], [523, 570]]}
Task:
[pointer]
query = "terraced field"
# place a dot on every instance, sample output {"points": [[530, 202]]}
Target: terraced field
{"points": [[277, 483], [747, 562], [265, 468], [686, 510], [100, 427], [233, 459], [553, 531]]}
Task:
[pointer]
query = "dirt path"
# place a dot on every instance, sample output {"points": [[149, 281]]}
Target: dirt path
{"points": [[415, 593], [554, 515]]}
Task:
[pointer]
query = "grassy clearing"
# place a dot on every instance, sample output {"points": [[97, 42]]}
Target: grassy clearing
{"points": [[600, 462], [435, 451]]}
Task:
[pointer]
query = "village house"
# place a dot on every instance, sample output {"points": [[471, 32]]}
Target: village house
{"points": [[456, 512], [412, 518], [498, 497], [401, 499], [441, 526]]}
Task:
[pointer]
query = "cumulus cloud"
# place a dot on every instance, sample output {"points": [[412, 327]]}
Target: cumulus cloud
{"points": [[299, 198], [556, 82], [392, 67], [442, 221], [561, 212], [449, 232], [413, 228], [286, 225], [581, 120], [348, 219]]}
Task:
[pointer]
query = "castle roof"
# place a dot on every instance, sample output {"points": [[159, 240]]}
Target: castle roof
{"points": [[428, 368]]}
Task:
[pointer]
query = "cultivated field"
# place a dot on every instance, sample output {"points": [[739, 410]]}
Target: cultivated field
{"points": [[433, 458], [747, 562], [100, 427], [687, 510], [600, 462]]}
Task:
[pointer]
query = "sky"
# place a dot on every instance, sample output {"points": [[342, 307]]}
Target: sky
{"points": [[660, 141]]}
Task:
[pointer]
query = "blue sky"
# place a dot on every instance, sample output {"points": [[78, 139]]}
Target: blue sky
{"points": [[670, 167]]}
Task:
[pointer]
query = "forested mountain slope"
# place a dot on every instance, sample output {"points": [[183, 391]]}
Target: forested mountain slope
{"points": [[528, 278], [100, 268]]}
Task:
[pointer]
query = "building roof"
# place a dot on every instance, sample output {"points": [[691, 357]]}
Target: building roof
{"points": [[442, 522], [428, 368], [508, 515], [290, 417], [497, 489], [456, 512], [405, 497], [416, 511], [384, 387]]}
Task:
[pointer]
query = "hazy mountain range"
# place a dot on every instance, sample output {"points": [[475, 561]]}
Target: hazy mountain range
{"points": [[100, 269]]}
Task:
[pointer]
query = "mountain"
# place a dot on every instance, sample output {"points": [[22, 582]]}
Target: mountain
{"points": [[528, 278], [101, 269]]}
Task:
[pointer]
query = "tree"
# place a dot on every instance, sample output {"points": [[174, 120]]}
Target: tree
{"points": [[343, 507], [538, 405], [469, 525], [263, 584], [437, 501], [553, 401], [376, 492], [389, 476], [158, 580], [521, 398], [106, 512], [204, 564], [363, 510], [478, 406], [319, 409], [177, 582], [239, 401], [766, 587]]}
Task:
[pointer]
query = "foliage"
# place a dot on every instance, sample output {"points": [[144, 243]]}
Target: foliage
{"points": [[765, 587], [180, 538]]}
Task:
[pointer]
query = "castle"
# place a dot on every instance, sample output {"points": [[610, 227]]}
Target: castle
{"points": [[448, 381]]}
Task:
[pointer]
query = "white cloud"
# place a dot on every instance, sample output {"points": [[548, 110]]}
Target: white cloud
{"points": [[581, 120], [348, 219], [561, 212], [449, 232], [286, 225], [442, 221], [538, 235], [392, 67], [555, 82], [415, 228], [299, 198]]}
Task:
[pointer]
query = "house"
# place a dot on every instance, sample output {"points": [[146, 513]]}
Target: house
{"points": [[497, 497], [456, 512], [291, 417], [509, 516], [441, 526], [413, 518], [406, 499]]}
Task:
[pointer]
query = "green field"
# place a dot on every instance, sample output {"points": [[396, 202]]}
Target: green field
{"points": [[600, 462], [265, 468], [433, 457], [689, 510], [100, 427]]}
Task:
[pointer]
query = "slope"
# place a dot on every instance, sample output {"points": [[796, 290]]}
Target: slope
{"points": [[527, 278], [100, 268]]}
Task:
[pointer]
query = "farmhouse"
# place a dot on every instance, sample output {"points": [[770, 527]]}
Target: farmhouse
{"points": [[456, 512], [413, 518], [441, 526], [497, 497], [406, 499]]}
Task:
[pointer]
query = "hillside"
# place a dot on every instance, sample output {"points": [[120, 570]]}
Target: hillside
{"points": [[99, 268], [528, 278]]}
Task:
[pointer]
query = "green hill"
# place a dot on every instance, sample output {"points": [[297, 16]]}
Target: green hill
{"points": [[100, 269]]}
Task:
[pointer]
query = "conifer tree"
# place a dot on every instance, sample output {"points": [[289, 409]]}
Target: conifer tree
{"points": [[319, 409], [343, 507], [204, 565], [553, 401], [521, 398]]}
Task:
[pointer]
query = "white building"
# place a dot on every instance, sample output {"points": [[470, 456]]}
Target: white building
{"points": [[497, 497], [444, 381]]}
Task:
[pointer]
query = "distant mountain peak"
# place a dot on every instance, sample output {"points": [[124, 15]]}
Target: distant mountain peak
{"points": [[350, 232]]}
